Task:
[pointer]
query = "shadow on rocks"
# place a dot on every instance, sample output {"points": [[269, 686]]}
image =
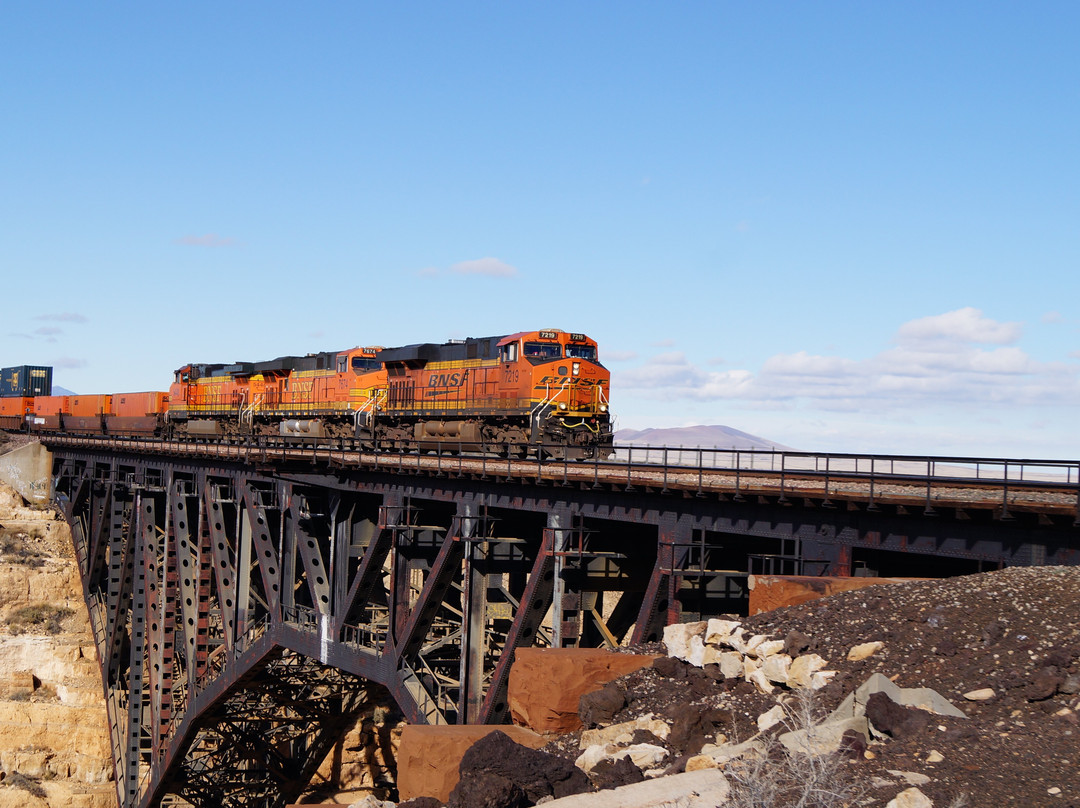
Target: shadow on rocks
{"points": [[496, 772]]}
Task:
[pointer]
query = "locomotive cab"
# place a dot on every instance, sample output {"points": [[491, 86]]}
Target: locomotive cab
{"points": [[560, 376]]}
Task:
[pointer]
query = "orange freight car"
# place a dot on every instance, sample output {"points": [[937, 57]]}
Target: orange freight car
{"points": [[86, 414], [13, 412], [137, 413], [47, 413]]}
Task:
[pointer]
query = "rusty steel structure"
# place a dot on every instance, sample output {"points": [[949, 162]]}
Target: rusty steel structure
{"points": [[248, 601]]}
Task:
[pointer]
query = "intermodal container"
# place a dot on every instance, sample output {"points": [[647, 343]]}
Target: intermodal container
{"points": [[13, 412], [51, 405], [139, 404], [89, 405], [25, 380]]}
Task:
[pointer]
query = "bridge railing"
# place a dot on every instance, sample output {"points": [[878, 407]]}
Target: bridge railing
{"points": [[456, 458]]}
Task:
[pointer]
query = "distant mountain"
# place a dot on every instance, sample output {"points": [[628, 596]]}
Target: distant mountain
{"points": [[63, 391], [705, 437]]}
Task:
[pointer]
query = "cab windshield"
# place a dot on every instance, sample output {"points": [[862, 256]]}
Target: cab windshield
{"points": [[361, 364], [543, 350], [587, 352]]}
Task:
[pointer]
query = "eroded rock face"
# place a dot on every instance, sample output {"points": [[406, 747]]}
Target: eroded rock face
{"points": [[54, 737], [546, 684]]}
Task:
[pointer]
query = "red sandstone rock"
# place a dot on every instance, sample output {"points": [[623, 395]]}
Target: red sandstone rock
{"points": [[768, 592], [429, 756], [547, 683]]}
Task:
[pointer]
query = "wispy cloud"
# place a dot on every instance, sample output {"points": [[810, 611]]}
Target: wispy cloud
{"points": [[49, 332], [938, 360], [63, 317], [208, 240], [68, 363], [485, 266], [618, 356]]}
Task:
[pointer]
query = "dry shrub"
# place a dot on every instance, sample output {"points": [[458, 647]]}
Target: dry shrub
{"points": [[782, 778], [40, 618], [30, 784]]}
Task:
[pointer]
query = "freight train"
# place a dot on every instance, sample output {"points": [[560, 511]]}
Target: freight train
{"points": [[531, 393]]}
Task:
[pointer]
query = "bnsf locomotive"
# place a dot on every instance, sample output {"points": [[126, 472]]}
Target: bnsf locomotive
{"points": [[534, 392]]}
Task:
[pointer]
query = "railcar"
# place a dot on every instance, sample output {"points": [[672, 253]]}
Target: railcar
{"points": [[123, 414], [322, 395]]}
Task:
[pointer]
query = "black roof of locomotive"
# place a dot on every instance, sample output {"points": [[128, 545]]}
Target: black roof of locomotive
{"points": [[459, 350]]}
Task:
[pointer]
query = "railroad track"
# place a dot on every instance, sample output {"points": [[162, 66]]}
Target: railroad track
{"points": [[854, 481]]}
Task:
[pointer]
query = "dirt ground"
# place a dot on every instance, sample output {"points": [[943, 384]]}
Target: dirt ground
{"points": [[1015, 631]]}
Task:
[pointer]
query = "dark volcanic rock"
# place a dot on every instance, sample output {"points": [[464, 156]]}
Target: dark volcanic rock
{"points": [[600, 706], [694, 728], [487, 790], [895, 719], [537, 774], [612, 774]]}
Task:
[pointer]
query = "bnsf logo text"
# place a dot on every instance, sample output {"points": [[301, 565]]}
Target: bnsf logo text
{"points": [[573, 381], [447, 379]]}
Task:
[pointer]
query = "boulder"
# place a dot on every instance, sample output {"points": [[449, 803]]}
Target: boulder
{"points": [[678, 638], [546, 684], [910, 798], [864, 651], [894, 719], [504, 766], [705, 788], [429, 755], [624, 733], [802, 669], [824, 738]]}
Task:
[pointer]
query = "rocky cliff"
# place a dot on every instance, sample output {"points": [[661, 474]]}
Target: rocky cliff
{"points": [[54, 744]]}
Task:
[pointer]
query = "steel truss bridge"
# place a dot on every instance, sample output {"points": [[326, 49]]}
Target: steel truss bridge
{"points": [[249, 601]]}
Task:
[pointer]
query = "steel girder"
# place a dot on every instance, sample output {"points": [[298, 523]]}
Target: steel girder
{"points": [[243, 616]]}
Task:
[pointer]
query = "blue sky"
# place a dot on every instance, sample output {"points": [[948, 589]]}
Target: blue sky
{"points": [[841, 226]]}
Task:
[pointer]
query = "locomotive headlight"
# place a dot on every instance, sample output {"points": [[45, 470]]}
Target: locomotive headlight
{"points": [[562, 406], [576, 368], [602, 408]]}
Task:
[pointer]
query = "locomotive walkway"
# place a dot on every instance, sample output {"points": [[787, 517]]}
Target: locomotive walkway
{"points": [[248, 600]]}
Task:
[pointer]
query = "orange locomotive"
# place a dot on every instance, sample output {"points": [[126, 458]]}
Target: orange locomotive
{"points": [[534, 392], [519, 394], [525, 393], [320, 395]]}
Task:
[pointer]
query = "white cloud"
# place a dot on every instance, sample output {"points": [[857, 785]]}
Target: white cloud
{"points": [[936, 361], [618, 356], [485, 266], [963, 325], [1052, 317]]}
